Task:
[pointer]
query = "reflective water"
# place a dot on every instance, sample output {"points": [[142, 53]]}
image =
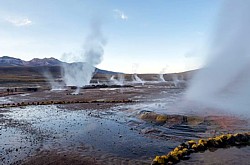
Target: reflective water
{"points": [[117, 131], [54, 128]]}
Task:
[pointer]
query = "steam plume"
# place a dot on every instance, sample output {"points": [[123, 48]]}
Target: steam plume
{"points": [[136, 79], [79, 74], [53, 83], [161, 75], [119, 81], [225, 81]]}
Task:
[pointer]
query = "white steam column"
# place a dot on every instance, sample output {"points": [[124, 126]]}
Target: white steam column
{"points": [[224, 82], [79, 74]]}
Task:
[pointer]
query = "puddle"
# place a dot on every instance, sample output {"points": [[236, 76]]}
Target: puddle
{"points": [[67, 130], [16, 145], [5, 100]]}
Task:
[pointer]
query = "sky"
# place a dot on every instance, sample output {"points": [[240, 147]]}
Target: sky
{"points": [[142, 36]]}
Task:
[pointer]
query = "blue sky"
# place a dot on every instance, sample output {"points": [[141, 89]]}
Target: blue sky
{"points": [[144, 36]]}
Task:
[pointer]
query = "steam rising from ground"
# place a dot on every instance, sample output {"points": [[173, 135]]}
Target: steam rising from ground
{"points": [[79, 74], [120, 80], [136, 79], [161, 75], [225, 81], [178, 80], [55, 85]]}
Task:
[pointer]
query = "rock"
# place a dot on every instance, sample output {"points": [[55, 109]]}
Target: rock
{"points": [[161, 118], [149, 116], [194, 120]]}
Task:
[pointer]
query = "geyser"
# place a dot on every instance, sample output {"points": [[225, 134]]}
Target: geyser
{"points": [[119, 81], [79, 74], [178, 80], [224, 82], [161, 75], [136, 79], [55, 85]]}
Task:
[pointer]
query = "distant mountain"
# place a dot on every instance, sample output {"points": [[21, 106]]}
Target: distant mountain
{"points": [[45, 62], [7, 61], [101, 71], [11, 61]]}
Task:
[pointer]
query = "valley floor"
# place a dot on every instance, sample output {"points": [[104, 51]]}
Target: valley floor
{"points": [[106, 129]]}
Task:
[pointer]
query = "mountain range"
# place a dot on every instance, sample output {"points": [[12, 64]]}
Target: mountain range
{"points": [[7, 61], [11, 61]]}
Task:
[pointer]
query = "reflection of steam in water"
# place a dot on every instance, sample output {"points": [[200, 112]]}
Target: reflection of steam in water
{"points": [[72, 129], [127, 132], [14, 137], [4, 100]]}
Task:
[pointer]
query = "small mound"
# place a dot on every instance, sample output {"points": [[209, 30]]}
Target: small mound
{"points": [[170, 119], [183, 151]]}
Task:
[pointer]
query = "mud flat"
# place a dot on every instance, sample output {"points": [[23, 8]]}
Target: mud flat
{"points": [[106, 131]]}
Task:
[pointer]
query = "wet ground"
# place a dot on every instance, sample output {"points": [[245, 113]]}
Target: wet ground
{"points": [[112, 133]]}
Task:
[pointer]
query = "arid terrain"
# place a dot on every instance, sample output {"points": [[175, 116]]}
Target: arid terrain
{"points": [[124, 82], [106, 124]]}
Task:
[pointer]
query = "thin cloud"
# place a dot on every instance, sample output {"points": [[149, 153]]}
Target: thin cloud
{"points": [[120, 14], [19, 21]]}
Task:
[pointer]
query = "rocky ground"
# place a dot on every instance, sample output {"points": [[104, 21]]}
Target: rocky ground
{"points": [[106, 129]]}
